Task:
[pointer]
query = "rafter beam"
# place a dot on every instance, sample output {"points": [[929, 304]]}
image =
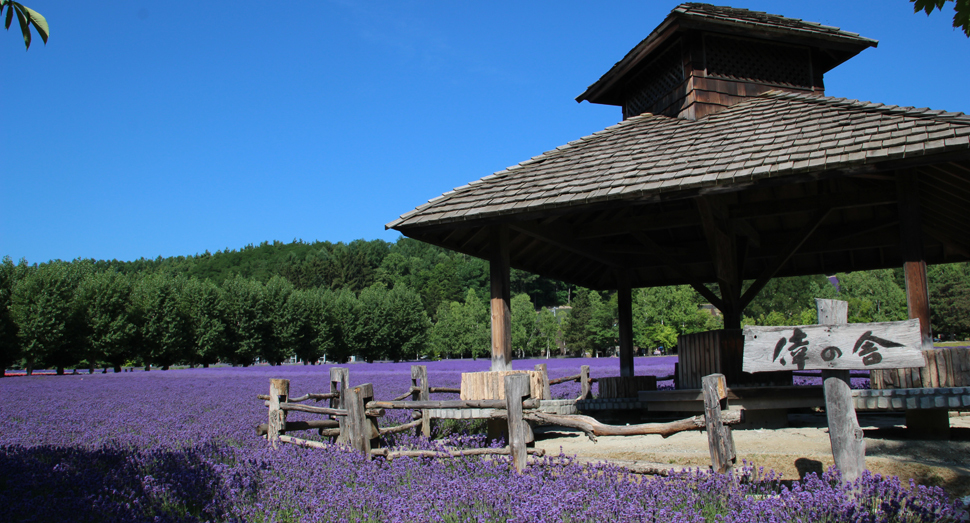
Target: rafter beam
{"points": [[661, 255], [779, 261], [812, 203], [561, 239]]}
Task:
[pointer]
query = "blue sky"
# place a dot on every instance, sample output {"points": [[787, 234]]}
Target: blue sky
{"points": [[147, 129]]}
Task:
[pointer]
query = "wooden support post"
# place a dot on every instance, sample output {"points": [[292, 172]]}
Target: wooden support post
{"points": [[585, 388], [279, 390], [422, 392], [624, 301], [911, 248], [544, 378], [848, 445], [501, 290], [719, 437], [833, 312], [339, 381], [359, 428], [517, 387]]}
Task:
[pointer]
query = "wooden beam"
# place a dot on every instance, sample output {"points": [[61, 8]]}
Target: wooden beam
{"points": [[911, 248], [624, 302], [812, 203], [560, 238], [501, 303], [796, 242], [724, 251], [655, 221], [661, 255]]}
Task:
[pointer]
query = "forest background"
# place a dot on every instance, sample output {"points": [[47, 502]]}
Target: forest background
{"points": [[377, 300]]}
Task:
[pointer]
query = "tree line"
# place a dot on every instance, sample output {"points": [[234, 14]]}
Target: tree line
{"points": [[378, 300]]}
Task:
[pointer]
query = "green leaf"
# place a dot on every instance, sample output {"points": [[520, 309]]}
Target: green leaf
{"points": [[9, 17], [24, 24], [40, 23]]}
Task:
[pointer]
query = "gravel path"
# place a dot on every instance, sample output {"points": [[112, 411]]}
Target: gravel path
{"points": [[803, 447]]}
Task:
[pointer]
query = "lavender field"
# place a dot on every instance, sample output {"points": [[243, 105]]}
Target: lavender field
{"points": [[180, 445]]}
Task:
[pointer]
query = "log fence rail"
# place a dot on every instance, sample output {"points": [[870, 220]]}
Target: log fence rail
{"points": [[352, 416]]}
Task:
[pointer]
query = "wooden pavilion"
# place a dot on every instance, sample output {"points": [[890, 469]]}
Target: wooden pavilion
{"points": [[730, 165]]}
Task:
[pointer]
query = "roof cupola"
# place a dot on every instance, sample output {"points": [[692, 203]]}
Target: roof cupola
{"points": [[703, 58]]}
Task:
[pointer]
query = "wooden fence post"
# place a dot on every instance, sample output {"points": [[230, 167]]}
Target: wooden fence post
{"points": [[848, 445], [279, 390], [419, 379], [516, 387], [359, 430], [719, 437], [339, 380], [544, 377], [585, 390]]}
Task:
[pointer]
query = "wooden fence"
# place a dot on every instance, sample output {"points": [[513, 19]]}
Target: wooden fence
{"points": [[353, 413]]}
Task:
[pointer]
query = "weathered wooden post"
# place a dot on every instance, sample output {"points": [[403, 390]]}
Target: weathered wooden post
{"points": [[517, 387], [339, 380], [544, 379], [279, 390], [720, 440], [359, 431], [585, 389], [421, 392], [845, 434]]}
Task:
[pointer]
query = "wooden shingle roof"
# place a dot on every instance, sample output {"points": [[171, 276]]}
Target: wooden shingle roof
{"points": [[772, 136], [641, 197]]}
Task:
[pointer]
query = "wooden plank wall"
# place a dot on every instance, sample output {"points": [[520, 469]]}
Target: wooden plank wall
{"points": [[945, 367], [719, 352], [491, 385], [625, 387]]}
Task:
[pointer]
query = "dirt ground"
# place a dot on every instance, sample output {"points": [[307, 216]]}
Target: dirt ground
{"points": [[801, 448]]}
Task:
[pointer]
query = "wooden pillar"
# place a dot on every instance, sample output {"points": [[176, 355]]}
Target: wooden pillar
{"points": [[422, 392], [544, 378], [498, 265], [720, 440], [339, 381], [624, 301], [359, 430], [585, 387], [911, 249], [279, 390], [833, 312], [517, 387], [845, 434]]}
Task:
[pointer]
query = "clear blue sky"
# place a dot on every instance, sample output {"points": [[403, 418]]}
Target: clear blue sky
{"points": [[147, 129]]}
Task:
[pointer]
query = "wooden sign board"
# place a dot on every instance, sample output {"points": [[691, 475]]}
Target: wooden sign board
{"points": [[886, 345]]}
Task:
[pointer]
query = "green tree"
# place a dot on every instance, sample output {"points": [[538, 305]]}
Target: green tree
{"points": [[297, 326], [206, 307], [523, 324], [873, 296], [276, 292], [389, 324], [107, 311], [950, 299], [10, 274], [27, 17], [45, 309], [602, 329], [574, 326], [961, 10], [164, 325], [548, 331], [248, 324]]}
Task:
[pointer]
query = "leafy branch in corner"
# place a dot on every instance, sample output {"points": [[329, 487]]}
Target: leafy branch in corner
{"points": [[26, 16], [961, 18]]}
